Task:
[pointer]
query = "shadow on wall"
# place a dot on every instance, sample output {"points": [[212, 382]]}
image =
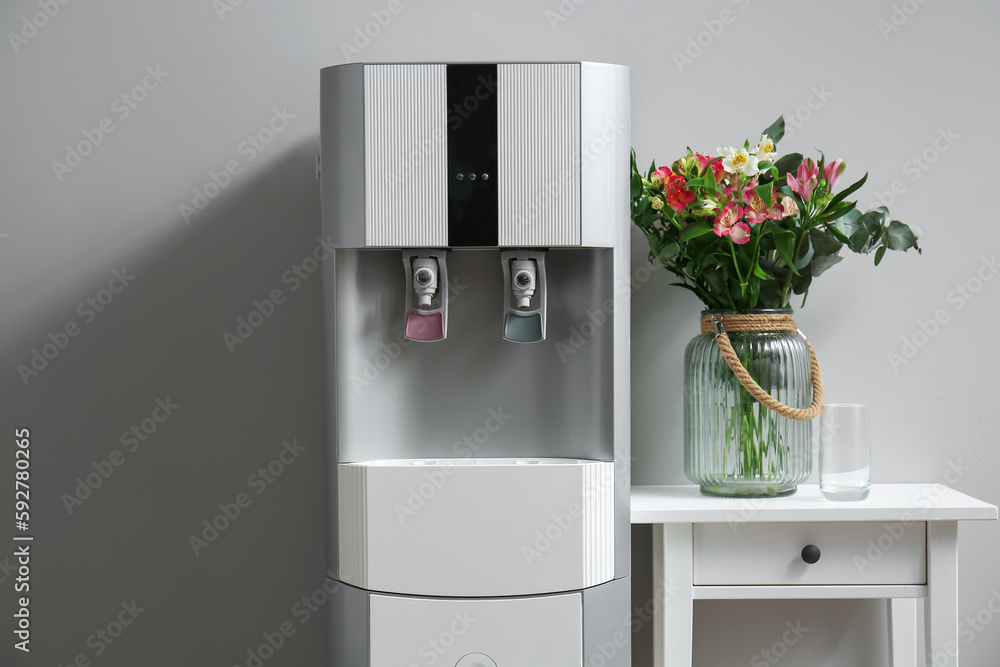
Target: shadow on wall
{"points": [[177, 474]]}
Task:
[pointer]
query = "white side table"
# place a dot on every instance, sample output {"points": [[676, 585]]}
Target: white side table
{"points": [[900, 544]]}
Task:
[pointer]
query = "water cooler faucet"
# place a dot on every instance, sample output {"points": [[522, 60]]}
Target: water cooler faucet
{"points": [[524, 295], [426, 317]]}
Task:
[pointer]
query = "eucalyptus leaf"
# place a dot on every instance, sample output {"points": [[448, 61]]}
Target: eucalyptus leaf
{"points": [[801, 282], [879, 254], [899, 236], [821, 263], [825, 242]]}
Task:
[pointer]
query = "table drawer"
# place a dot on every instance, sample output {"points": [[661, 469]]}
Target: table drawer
{"points": [[760, 554]]}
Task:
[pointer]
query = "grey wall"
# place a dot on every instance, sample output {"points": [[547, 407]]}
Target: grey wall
{"points": [[882, 99]]}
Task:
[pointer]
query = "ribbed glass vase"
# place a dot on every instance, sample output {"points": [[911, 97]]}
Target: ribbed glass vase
{"points": [[733, 445]]}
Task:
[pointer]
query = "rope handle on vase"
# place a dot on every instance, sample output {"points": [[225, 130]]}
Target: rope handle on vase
{"points": [[729, 354]]}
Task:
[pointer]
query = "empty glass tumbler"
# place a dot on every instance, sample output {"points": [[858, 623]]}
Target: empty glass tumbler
{"points": [[844, 451]]}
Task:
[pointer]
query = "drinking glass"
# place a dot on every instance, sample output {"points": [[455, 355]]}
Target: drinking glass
{"points": [[844, 451]]}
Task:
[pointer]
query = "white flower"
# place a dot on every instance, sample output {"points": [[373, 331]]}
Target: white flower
{"points": [[738, 161], [766, 149]]}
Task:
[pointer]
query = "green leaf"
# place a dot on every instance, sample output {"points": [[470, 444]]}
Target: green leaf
{"points": [[777, 130], [879, 254], [806, 253], [846, 225], [694, 230], [636, 183], [787, 163], [801, 282], [654, 245], [850, 189], [832, 212], [784, 243], [669, 251], [825, 241], [821, 263], [760, 272], [899, 237], [764, 192], [869, 231]]}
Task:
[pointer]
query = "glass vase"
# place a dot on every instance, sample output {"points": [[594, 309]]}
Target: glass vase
{"points": [[733, 445]]}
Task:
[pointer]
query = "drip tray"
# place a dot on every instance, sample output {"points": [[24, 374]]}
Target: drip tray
{"points": [[476, 527]]}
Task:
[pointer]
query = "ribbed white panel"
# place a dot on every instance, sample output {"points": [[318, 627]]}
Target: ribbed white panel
{"points": [[406, 155], [598, 524], [352, 521], [539, 154]]}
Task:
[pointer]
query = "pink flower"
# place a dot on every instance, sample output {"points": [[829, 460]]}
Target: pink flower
{"points": [[717, 169], [832, 172], [728, 184], [676, 195], [757, 210], [660, 176], [788, 206], [740, 233], [808, 173], [727, 219]]}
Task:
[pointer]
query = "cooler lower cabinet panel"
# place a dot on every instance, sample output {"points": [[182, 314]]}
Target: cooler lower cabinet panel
{"points": [[559, 630]]}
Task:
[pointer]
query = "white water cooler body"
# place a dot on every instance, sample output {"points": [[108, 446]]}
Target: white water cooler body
{"points": [[477, 328]]}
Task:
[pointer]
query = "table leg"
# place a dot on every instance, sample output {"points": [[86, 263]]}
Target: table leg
{"points": [[941, 611], [672, 585], [902, 632]]}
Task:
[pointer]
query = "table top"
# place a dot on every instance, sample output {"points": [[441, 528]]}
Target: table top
{"points": [[885, 502]]}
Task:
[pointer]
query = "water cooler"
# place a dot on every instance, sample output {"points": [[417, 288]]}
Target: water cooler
{"points": [[477, 328]]}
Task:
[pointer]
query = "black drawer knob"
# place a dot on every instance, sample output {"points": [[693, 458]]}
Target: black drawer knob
{"points": [[810, 553]]}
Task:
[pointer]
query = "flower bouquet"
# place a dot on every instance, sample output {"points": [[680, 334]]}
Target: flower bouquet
{"points": [[745, 230]]}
